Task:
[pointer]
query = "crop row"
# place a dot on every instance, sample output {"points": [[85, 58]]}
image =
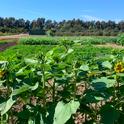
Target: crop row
{"points": [[70, 40], [59, 40]]}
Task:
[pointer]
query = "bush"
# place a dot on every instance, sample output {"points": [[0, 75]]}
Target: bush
{"points": [[39, 41], [120, 39], [37, 31], [50, 33]]}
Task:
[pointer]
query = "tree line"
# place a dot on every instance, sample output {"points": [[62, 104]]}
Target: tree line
{"points": [[74, 27]]}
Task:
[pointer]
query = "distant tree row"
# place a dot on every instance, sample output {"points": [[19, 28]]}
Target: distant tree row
{"points": [[66, 27]]}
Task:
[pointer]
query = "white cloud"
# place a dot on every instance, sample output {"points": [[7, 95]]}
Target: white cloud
{"points": [[118, 20], [91, 18]]}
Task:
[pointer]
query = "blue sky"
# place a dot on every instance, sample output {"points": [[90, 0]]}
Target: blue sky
{"points": [[63, 9]]}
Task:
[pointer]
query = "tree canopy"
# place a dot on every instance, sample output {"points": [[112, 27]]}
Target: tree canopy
{"points": [[73, 27]]}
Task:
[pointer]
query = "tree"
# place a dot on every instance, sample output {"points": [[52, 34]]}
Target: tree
{"points": [[66, 27]]}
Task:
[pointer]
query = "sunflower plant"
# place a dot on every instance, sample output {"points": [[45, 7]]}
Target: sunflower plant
{"points": [[54, 88]]}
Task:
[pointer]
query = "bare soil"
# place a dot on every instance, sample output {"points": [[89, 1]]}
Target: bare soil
{"points": [[110, 45], [13, 36], [7, 45]]}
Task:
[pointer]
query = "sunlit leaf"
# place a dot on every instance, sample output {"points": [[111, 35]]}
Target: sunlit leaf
{"points": [[21, 71], [84, 68], [64, 111], [4, 107], [31, 61], [1, 82], [24, 88], [107, 64], [70, 51], [31, 121], [103, 82]]}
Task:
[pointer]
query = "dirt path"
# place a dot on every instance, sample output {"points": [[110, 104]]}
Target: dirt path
{"points": [[13, 36], [108, 45], [7, 45]]}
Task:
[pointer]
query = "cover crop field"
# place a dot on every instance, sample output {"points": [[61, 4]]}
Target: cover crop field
{"points": [[57, 80]]}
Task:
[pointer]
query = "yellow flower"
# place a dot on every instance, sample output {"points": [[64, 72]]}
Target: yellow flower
{"points": [[1, 73], [91, 74], [119, 67]]}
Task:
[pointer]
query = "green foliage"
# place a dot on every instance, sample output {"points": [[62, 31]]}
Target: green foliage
{"points": [[103, 82], [58, 84], [98, 40], [109, 115], [107, 64], [1, 42], [120, 39], [67, 40], [39, 41], [4, 107], [75, 27], [50, 33], [37, 31], [65, 111]]}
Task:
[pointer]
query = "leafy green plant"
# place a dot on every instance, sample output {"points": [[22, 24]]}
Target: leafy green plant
{"points": [[67, 40], [39, 41], [62, 85], [120, 39]]}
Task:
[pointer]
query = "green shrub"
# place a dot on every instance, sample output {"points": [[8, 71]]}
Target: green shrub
{"points": [[67, 40], [120, 39], [37, 31], [98, 40], [1, 43], [39, 41]]}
